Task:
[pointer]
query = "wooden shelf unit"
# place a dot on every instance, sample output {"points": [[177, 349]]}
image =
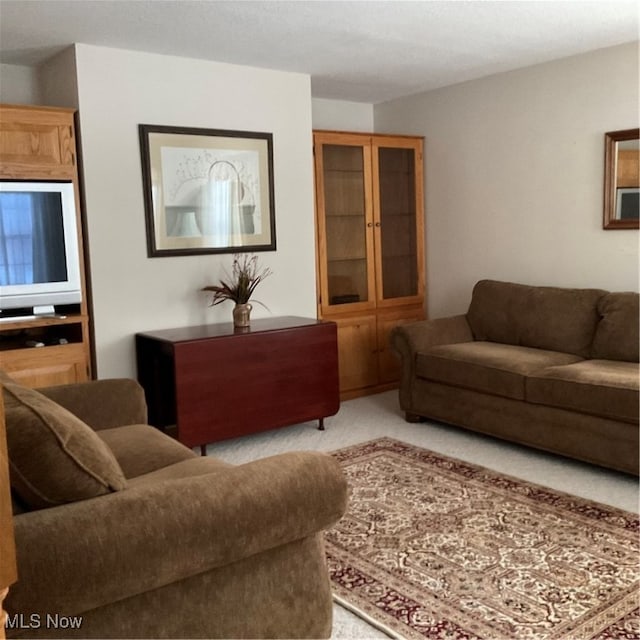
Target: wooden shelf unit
{"points": [[39, 143], [370, 248]]}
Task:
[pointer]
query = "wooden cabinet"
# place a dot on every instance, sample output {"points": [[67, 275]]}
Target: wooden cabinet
{"points": [[357, 351], [53, 363], [38, 143], [370, 233], [216, 381]]}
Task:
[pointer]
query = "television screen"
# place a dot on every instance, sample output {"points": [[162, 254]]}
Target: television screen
{"points": [[32, 244], [39, 250]]}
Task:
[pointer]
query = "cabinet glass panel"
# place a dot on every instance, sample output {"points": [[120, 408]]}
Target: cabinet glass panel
{"points": [[398, 222], [345, 220]]}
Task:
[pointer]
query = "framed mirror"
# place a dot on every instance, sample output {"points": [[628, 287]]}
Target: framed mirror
{"points": [[622, 179]]}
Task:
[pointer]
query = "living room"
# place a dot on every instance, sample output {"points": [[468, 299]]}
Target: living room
{"points": [[513, 181]]}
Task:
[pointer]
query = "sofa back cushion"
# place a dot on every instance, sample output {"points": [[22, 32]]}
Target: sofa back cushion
{"points": [[551, 318], [54, 457], [617, 335]]}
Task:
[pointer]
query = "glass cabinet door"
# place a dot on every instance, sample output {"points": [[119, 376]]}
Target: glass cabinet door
{"points": [[345, 212], [398, 221]]}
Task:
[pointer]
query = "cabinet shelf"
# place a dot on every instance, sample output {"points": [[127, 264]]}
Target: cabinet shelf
{"points": [[66, 331], [337, 172], [10, 324]]}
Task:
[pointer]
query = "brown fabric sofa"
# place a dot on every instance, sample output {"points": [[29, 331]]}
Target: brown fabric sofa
{"points": [[548, 367], [132, 533]]}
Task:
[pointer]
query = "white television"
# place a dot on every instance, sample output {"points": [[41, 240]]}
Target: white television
{"points": [[39, 253]]}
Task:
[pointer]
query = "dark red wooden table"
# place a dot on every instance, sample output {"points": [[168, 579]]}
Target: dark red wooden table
{"points": [[216, 382]]}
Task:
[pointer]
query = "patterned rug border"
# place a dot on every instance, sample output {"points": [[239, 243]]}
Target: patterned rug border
{"points": [[471, 470], [625, 522], [376, 624]]}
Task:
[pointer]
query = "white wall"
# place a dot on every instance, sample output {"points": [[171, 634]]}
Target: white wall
{"points": [[19, 84], [117, 90], [514, 176], [59, 80], [342, 115]]}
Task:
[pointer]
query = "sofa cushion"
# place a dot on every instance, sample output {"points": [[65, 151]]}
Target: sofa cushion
{"points": [[54, 457], [498, 369], [617, 334], [141, 449], [550, 318], [606, 388]]}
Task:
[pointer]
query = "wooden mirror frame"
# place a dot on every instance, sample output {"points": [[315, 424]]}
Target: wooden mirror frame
{"points": [[611, 139]]}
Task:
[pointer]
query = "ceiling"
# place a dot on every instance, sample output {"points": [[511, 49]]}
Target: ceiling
{"points": [[353, 50]]}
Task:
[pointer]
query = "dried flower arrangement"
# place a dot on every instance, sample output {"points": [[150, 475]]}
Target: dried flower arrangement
{"points": [[246, 275]]}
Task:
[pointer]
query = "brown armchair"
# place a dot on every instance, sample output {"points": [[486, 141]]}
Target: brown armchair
{"points": [[170, 544]]}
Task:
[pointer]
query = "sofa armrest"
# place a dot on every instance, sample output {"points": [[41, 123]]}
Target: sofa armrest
{"points": [[414, 337], [76, 557], [407, 340], [102, 404]]}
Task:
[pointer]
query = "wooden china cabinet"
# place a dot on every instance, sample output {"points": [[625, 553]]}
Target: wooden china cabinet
{"points": [[39, 144], [370, 235]]}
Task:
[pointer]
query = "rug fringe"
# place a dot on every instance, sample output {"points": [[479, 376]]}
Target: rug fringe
{"points": [[367, 618]]}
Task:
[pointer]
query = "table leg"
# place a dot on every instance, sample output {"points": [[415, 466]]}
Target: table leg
{"points": [[321, 424], [203, 449]]}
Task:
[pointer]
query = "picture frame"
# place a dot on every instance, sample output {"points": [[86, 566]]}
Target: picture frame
{"points": [[207, 190]]}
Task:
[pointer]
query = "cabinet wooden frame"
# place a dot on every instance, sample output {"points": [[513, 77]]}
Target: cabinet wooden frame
{"points": [[354, 140], [39, 143], [416, 144], [370, 144], [366, 364]]}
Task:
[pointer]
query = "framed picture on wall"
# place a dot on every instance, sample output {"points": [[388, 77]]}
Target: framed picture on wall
{"points": [[207, 190]]}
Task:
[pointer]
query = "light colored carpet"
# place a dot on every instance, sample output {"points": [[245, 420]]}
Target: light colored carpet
{"points": [[379, 415]]}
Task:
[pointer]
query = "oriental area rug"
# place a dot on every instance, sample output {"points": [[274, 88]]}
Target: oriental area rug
{"points": [[433, 547]]}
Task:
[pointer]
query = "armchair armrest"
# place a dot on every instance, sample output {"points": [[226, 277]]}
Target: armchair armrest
{"points": [[102, 404], [76, 557]]}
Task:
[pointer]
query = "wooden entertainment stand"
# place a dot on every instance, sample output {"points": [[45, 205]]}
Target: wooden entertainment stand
{"points": [[39, 143], [216, 382]]}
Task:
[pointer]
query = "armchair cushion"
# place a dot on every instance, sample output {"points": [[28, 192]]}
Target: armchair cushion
{"points": [[102, 404], [141, 449], [54, 457]]}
